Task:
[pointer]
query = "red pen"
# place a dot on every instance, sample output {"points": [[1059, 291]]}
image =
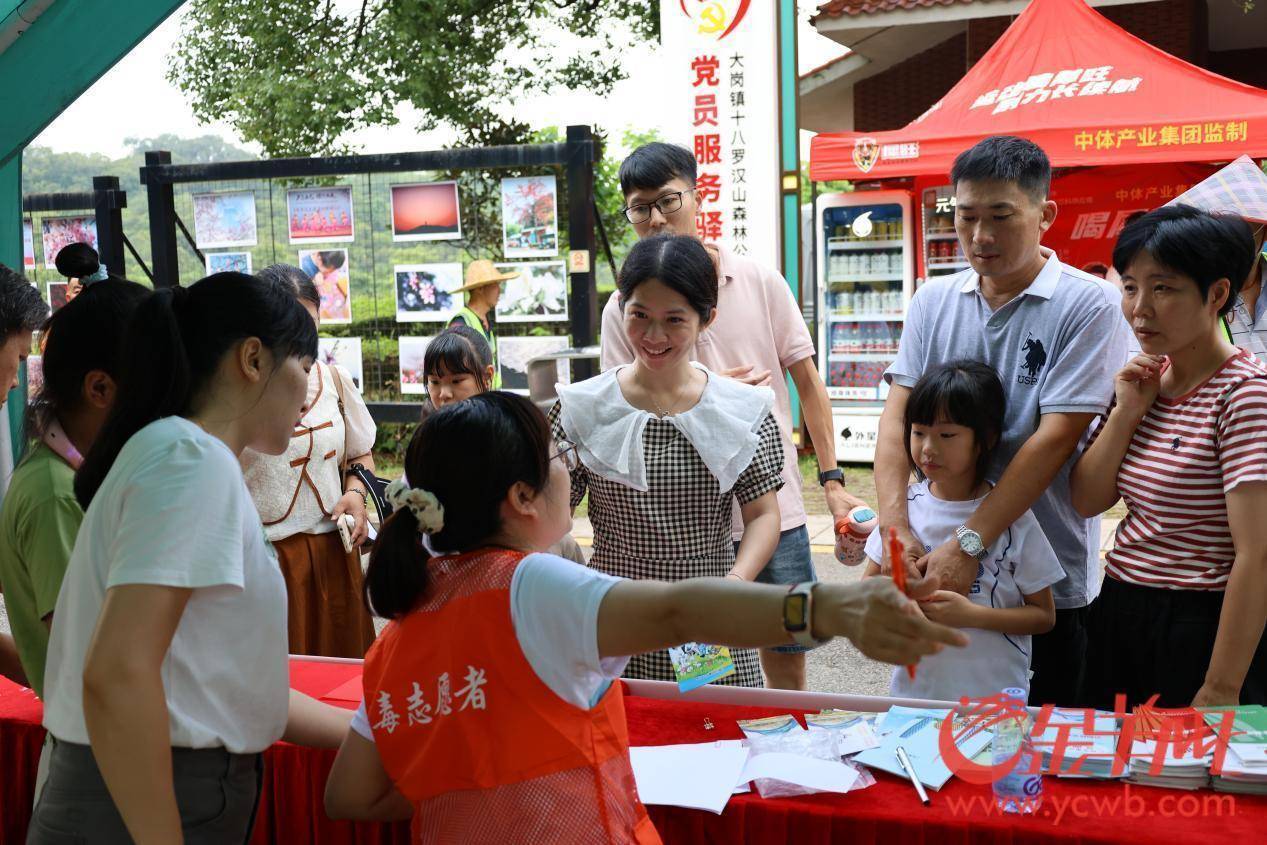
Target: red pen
{"points": [[897, 554]]}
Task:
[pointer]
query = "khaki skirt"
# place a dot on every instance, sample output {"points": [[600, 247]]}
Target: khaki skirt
{"points": [[325, 613]]}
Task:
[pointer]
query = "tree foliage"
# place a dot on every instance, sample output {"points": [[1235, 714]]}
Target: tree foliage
{"points": [[297, 76]]}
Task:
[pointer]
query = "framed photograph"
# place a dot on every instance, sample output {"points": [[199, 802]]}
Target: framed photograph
{"points": [[427, 211], [58, 295], [412, 350], [28, 245], [424, 292], [346, 352], [530, 226], [228, 262], [224, 219], [328, 269], [319, 214], [34, 374], [539, 294], [57, 232], [514, 353]]}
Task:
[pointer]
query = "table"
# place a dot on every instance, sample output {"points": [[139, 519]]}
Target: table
{"points": [[887, 813]]}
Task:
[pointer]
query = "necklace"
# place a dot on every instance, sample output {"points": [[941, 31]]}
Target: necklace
{"points": [[676, 401]]}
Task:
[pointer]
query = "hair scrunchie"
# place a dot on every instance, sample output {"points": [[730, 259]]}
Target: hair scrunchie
{"points": [[100, 276], [423, 504]]}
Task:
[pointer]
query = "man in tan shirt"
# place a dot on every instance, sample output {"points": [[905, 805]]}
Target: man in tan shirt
{"points": [[758, 337]]}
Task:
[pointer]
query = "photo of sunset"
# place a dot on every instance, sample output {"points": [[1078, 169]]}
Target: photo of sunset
{"points": [[426, 212]]}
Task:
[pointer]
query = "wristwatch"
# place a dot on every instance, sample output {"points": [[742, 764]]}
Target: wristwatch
{"points": [[798, 614], [831, 475], [970, 542]]}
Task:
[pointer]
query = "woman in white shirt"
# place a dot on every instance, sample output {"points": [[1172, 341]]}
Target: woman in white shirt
{"points": [[303, 492], [167, 672]]}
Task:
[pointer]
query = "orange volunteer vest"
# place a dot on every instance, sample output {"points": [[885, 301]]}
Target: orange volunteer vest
{"points": [[484, 750]]}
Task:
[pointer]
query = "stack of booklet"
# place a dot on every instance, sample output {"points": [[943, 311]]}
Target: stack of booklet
{"points": [[1244, 768], [1180, 740], [1089, 743]]}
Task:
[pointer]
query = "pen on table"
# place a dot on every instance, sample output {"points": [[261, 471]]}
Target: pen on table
{"points": [[897, 561], [910, 773]]}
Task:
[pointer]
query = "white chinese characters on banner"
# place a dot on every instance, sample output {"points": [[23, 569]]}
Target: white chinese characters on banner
{"points": [[725, 110], [418, 711], [1041, 87]]}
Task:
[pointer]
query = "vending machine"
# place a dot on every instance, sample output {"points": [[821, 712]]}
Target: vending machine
{"points": [[866, 272], [940, 251]]}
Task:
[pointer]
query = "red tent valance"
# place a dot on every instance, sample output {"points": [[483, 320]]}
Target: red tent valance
{"points": [[1078, 85]]}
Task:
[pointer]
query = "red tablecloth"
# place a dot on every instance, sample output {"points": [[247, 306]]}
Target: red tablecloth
{"points": [[888, 812]]}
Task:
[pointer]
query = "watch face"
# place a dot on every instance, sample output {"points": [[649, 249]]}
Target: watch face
{"points": [[794, 612]]}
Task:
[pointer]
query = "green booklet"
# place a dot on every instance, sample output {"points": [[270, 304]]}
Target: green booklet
{"points": [[1249, 730]]}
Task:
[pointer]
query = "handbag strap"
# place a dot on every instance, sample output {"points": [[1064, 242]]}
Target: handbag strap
{"points": [[338, 391]]}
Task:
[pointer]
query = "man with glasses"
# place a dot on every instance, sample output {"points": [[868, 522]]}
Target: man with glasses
{"points": [[758, 337]]}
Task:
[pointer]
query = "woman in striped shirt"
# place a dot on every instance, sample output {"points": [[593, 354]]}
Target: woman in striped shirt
{"points": [[1182, 608]]}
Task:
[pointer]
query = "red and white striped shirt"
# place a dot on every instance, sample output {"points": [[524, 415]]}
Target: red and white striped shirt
{"points": [[1187, 454]]}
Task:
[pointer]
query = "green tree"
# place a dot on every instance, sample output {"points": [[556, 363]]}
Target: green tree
{"points": [[296, 76]]}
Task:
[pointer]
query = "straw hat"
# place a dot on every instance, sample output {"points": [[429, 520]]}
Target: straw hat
{"points": [[481, 273], [1240, 189]]}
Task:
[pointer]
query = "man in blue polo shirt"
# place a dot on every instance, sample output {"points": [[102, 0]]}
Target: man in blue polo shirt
{"points": [[1056, 336]]}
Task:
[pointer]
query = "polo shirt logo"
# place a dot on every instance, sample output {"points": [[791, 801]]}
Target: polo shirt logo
{"points": [[1034, 361]]}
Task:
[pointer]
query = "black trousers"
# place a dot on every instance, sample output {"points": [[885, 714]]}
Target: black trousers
{"points": [[1146, 640], [216, 792], [1058, 660]]}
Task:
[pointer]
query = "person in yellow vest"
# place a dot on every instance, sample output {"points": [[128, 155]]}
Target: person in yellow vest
{"points": [[484, 286], [490, 712]]}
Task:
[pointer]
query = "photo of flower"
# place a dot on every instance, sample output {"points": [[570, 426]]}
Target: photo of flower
{"points": [[539, 294], [424, 292], [225, 219], [530, 226], [57, 232], [412, 350], [346, 352], [228, 262]]}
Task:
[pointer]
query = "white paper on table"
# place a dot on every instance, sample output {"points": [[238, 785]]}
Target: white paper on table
{"points": [[823, 775], [700, 776], [856, 738]]}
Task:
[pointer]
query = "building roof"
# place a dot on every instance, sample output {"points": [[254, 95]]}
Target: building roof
{"points": [[840, 8]]}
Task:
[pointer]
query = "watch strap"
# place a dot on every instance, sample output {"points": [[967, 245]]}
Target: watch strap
{"points": [[831, 475], [802, 635]]}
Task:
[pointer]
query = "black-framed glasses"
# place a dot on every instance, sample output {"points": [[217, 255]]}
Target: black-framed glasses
{"points": [[641, 213], [565, 450]]}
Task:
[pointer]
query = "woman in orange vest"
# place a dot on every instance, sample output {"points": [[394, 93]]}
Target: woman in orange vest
{"points": [[490, 714]]}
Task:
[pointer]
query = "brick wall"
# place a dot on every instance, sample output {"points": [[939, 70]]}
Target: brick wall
{"points": [[894, 98]]}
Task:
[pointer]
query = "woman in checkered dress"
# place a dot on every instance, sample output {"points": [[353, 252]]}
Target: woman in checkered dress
{"points": [[666, 446]]}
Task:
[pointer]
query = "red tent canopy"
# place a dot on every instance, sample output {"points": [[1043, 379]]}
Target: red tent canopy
{"points": [[1082, 88]]}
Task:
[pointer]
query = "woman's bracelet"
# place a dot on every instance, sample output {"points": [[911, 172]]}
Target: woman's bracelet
{"points": [[360, 491], [735, 575]]}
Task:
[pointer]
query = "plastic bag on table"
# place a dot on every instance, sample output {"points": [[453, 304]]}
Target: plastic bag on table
{"points": [[819, 744]]}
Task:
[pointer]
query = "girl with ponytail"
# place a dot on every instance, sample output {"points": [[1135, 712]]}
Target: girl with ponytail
{"points": [[167, 672], [490, 712]]}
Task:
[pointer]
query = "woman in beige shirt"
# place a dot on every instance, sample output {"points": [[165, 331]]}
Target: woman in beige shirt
{"points": [[302, 493]]}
